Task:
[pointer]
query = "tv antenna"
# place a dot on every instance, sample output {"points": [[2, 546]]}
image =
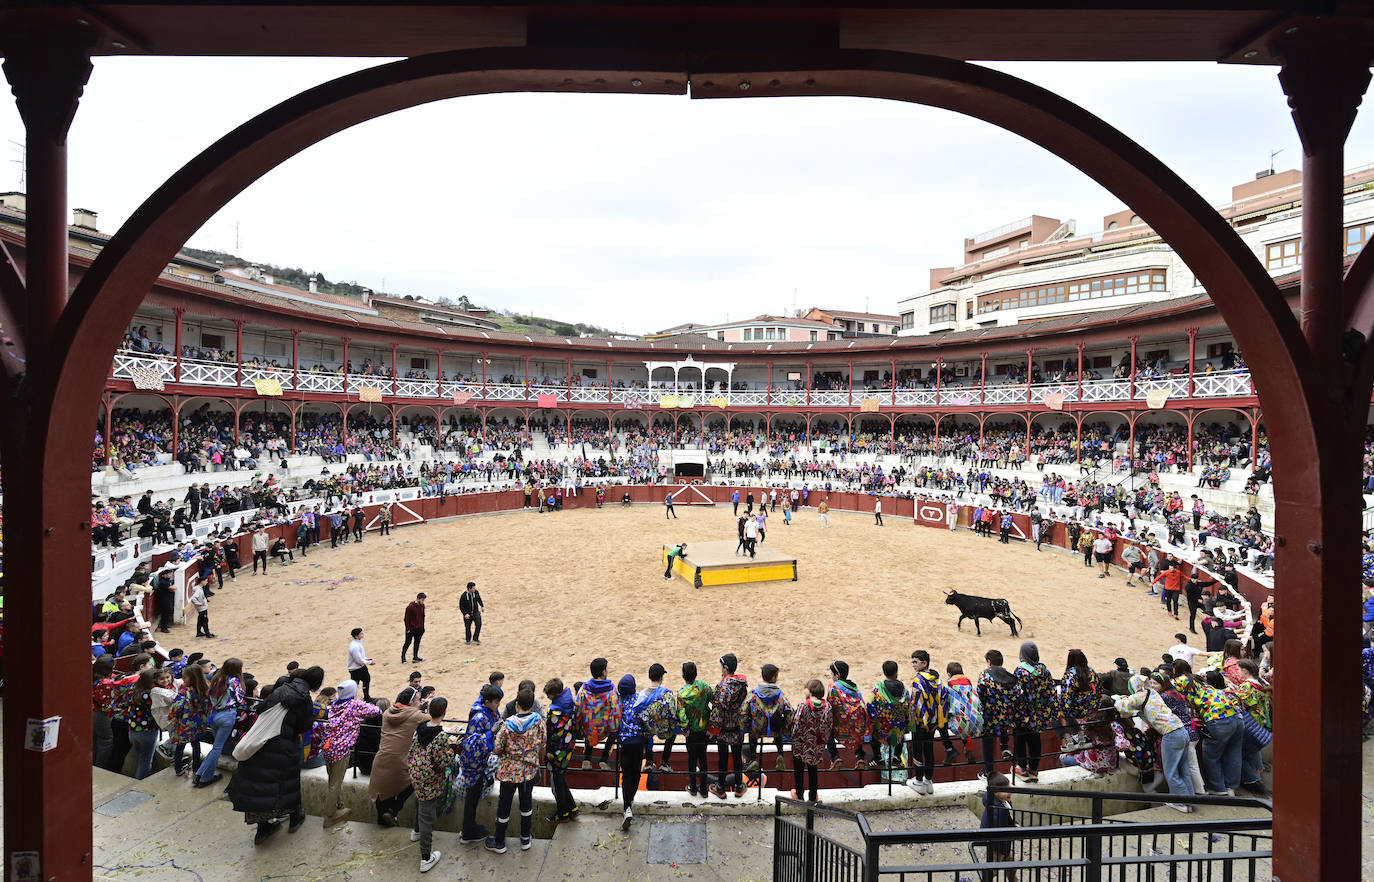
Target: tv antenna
{"points": [[1272, 154]]}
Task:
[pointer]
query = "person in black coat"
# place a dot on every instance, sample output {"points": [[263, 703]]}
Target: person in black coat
{"points": [[471, 606], [358, 518], [166, 597], [266, 787]]}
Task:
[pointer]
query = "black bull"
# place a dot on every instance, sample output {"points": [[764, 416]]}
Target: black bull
{"points": [[972, 607]]}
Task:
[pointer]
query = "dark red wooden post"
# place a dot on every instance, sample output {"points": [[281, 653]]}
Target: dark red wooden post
{"points": [[47, 516], [1318, 560]]}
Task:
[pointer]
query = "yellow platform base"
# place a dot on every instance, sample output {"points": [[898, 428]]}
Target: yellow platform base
{"points": [[714, 563]]}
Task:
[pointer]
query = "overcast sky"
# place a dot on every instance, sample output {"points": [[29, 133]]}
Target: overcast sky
{"points": [[641, 212]]}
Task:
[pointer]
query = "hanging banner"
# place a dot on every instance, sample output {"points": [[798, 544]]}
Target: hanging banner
{"points": [[667, 401], [634, 404], [146, 375], [547, 399], [869, 405], [720, 402], [1155, 398], [1053, 400], [462, 396], [369, 393], [267, 387], [686, 401], [961, 400]]}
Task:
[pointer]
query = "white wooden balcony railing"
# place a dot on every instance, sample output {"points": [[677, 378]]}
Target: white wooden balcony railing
{"points": [[196, 372]]}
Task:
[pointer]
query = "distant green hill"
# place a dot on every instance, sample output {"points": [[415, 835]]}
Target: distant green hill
{"points": [[296, 277]]}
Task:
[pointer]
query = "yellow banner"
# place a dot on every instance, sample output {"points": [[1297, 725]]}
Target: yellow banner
{"points": [[667, 401], [267, 387], [369, 393], [720, 402], [869, 405], [1155, 398]]}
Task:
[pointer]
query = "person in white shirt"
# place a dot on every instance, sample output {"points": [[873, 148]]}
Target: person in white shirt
{"points": [[751, 536], [1102, 547], [878, 511], [951, 515], [1181, 651], [358, 663]]}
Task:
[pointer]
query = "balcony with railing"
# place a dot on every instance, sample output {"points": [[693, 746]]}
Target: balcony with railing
{"points": [[194, 372]]}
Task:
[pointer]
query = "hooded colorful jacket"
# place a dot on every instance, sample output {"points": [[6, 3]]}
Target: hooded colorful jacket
{"points": [[849, 717], [657, 710], [559, 727], [520, 742], [889, 710], [965, 707], [694, 706], [929, 702], [811, 731], [767, 712], [727, 711], [428, 760], [478, 741], [1000, 697], [598, 710], [188, 716], [345, 716], [1039, 705]]}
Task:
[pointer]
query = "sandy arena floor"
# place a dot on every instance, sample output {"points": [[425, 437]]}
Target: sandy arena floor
{"points": [[563, 588]]}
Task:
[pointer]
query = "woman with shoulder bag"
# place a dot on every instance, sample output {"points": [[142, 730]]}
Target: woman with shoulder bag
{"points": [[267, 785]]}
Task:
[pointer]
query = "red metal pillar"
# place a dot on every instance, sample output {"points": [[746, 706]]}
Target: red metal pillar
{"points": [[238, 353], [1079, 396], [109, 405], [1254, 435], [1317, 740], [1130, 445], [1078, 448], [47, 515], [178, 313], [1192, 358], [1028, 437], [176, 422], [1134, 341], [393, 425], [1030, 370], [983, 380], [295, 366], [235, 406], [294, 411]]}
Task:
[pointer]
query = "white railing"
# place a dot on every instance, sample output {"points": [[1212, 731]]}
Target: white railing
{"points": [[281, 375], [197, 372], [417, 389], [315, 381], [1221, 385], [208, 373], [1177, 387], [1107, 390], [124, 361], [1004, 395], [830, 398]]}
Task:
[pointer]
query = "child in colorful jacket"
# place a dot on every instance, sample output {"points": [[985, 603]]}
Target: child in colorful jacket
{"points": [[428, 762], [767, 714], [598, 713], [520, 743], [810, 734], [727, 723], [889, 713], [693, 716], [478, 742], [1000, 697], [929, 714], [1039, 710], [345, 716], [849, 717], [559, 728]]}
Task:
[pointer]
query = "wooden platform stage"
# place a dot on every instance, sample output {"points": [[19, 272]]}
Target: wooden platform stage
{"points": [[715, 563]]}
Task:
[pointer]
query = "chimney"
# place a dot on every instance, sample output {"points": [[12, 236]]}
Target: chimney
{"points": [[367, 297], [84, 218], [16, 201], [1264, 173], [314, 288], [267, 277]]}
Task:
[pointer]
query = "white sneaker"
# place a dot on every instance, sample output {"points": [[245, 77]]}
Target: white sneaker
{"points": [[427, 865], [928, 786], [414, 835], [629, 816], [915, 785], [1179, 807]]}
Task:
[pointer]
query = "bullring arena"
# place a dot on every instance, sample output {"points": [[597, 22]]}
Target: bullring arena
{"points": [[563, 587]]}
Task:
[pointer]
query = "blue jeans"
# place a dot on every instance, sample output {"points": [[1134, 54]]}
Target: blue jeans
{"points": [[144, 741], [1175, 747], [222, 723], [1252, 764], [1221, 754]]}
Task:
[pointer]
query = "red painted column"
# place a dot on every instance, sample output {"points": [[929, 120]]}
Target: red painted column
{"points": [[1317, 801], [108, 421], [1030, 369], [47, 510], [238, 353], [1130, 445], [1191, 417], [178, 313], [236, 425], [1028, 437], [1134, 341], [1254, 435], [293, 426], [1192, 358], [983, 380], [1078, 450], [393, 425], [1079, 397], [295, 364]]}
